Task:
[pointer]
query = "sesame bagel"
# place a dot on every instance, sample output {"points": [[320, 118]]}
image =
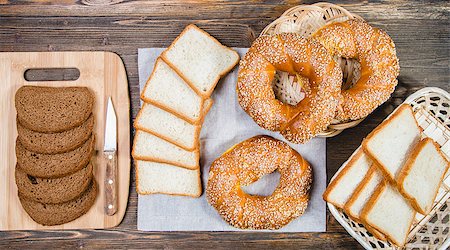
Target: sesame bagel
{"points": [[244, 164], [375, 51], [298, 56]]}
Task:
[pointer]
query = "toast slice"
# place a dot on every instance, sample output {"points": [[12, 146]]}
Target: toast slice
{"points": [[149, 147], [55, 143], [154, 178], [342, 186], [167, 126], [362, 193], [360, 197], [390, 144], [200, 59], [60, 213], [390, 213], [53, 190], [420, 178], [167, 90], [53, 109], [54, 165]]}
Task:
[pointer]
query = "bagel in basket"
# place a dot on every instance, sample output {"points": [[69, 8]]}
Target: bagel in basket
{"points": [[298, 56], [375, 51]]}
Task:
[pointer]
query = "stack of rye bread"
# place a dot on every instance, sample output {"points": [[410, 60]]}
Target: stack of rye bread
{"points": [[395, 174], [177, 97], [54, 146]]}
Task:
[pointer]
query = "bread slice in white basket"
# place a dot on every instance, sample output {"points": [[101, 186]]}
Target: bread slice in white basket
{"points": [[154, 177], [420, 178], [342, 186], [200, 59], [363, 192], [167, 90], [149, 147], [390, 144], [360, 197], [390, 213]]}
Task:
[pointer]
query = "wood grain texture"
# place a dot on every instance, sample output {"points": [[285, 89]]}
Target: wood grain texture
{"points": [[111, 192], [420, 30], [104, 74]]}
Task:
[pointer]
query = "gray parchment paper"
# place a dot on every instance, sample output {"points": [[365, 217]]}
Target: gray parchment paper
{"points": [[225, 125]]}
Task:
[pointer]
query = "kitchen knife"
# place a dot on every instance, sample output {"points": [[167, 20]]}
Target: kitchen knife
{"points": [[110, 153]]}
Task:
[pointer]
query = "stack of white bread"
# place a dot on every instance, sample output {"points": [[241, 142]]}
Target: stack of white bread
{"points": [[176, 99], [394, 175]]}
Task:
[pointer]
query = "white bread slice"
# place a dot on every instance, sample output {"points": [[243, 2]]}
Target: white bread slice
{"points": [[154, 177], [362, 193], [200, 59], [360, 197], [392, 141], [167, 126], [167, 90], [342, 186], [149, 147], [390, 213], [207, 105], [420, 178]]}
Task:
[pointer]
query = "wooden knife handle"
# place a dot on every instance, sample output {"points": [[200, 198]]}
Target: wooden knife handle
{"points": [[111, 183]]}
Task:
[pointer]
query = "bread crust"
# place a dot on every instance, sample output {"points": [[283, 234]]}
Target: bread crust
{"points": [[355, 195], [55, 143], [342, 172], [168, 109], [56, 190], [57, 214], [145, 158], [39, 108], [175, 194], [188, 148], [378, 129], [192, 85], [50, 165], [368, 207], [208, 104], [407, 168]]}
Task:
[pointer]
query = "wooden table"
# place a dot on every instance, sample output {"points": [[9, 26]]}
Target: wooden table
{"points": [[421, 32]]}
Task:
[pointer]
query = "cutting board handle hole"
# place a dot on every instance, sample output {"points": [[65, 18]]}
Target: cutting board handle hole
{"points": [[51, 74]]}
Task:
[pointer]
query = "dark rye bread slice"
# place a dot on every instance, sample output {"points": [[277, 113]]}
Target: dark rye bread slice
{"points": [[54, 190], [60, 213], [55, 143], [54, 165], [53, 109]]}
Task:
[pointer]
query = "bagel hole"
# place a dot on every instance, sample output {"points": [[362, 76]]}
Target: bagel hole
{"points": [[264, 186], [351, 71], [288, 88]]}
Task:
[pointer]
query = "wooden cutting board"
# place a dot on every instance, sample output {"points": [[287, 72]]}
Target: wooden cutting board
{"points": [[104, 74]]}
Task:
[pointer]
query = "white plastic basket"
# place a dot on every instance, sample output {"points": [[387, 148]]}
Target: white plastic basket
{"points": [[432, 111]]}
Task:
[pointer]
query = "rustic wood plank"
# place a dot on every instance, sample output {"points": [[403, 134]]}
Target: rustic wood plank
{"points": [[419, 29]]}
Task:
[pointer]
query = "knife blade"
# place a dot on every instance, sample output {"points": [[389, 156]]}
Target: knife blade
{"points": [[110, 153]]}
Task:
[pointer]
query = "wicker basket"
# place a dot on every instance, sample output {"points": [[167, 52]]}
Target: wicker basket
{"points": [[305, 20], [432, 111]]}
